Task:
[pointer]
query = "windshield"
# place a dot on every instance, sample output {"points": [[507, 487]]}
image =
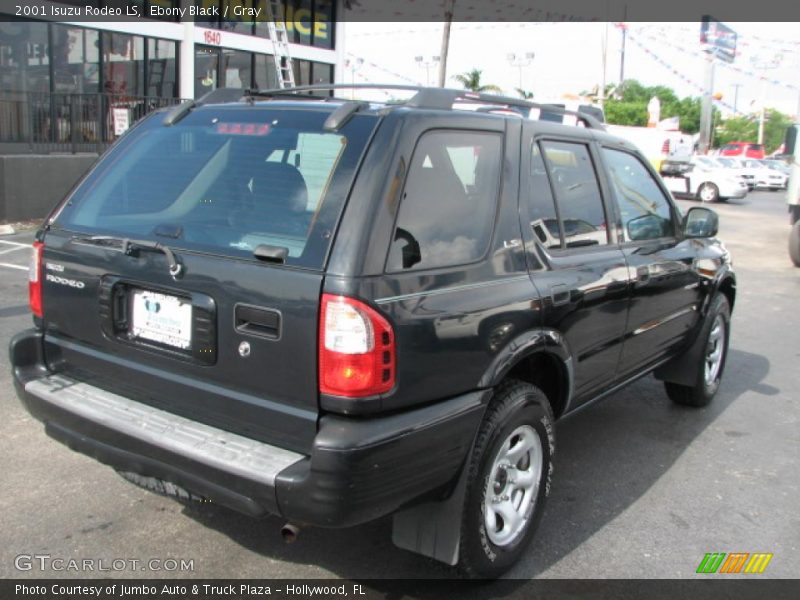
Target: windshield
{"points": [[225, 180]]}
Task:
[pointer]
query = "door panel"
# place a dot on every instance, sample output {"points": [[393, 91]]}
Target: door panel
{"points": [[665, 290], [579, 270]]}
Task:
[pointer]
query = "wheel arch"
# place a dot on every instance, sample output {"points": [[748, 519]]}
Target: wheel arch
{"points": [[541, 358]]}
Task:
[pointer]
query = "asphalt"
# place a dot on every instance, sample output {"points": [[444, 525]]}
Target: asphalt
{"points": [[642, 488]]}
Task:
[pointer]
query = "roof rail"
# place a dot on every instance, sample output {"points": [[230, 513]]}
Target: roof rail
{"points": [[220, 95], [425, 97], [435, 98]]}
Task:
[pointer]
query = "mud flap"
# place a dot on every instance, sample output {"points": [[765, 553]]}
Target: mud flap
{"points": [[433, 529], [685, 368]]}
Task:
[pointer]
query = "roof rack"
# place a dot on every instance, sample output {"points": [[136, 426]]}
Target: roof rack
{"points": [[432, 98], [425, 97]]}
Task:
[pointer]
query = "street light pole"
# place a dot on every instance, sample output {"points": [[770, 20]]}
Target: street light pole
{"points": [[427, 64], [520, 61], [353, 64]]}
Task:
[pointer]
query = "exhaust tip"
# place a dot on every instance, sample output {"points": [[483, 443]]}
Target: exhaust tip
{"points": [[289, 533]]}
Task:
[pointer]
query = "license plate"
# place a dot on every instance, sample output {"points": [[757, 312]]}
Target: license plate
{"points": [[162, 318]]}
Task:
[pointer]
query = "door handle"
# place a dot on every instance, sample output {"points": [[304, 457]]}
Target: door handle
{"points": [[559, 294], [254, 320]]}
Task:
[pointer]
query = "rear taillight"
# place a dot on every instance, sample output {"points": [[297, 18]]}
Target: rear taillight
{"points": [[35, 279], [665, 147], [356, 349]]}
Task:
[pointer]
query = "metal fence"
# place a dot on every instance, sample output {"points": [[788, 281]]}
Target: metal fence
{"points": [[44, 123]]}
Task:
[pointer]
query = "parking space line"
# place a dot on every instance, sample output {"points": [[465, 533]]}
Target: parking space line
{"points": [[15, 244], [14, 249], [10, 266]]}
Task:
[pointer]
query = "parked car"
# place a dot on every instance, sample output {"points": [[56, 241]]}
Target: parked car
{"points": [[765, 177], [708, 181], [736, 166], [335, 310], [781, 168], [743, 150]]}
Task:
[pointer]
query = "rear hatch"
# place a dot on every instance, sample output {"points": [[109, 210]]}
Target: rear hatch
{"points": [[186, 270]]}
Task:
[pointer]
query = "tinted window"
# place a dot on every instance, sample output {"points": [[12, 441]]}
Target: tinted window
{"points": [[544, 220], [224, 181], [645, 211], [580, 204], [449, 200]]}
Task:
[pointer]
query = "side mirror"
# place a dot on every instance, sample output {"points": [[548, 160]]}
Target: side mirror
{"points": [[700, 222], [646, 227]]}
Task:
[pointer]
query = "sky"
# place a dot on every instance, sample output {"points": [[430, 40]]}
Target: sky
{"points": [[568, 58]]}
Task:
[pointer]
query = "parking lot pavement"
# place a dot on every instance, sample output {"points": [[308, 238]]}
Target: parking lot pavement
{"points": [[642, 488]]}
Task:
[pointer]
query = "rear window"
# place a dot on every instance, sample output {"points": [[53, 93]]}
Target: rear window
{"points": [[225, 181]]}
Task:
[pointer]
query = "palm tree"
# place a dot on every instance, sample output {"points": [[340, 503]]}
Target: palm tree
{"points": [[524, 94], [471, 80]]}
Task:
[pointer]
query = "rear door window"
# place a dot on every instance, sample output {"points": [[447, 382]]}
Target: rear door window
{"points": [[449, 201], [225, 181], [580, 205]]}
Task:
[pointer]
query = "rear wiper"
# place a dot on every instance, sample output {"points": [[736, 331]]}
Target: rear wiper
{"points": [[129, 246]]}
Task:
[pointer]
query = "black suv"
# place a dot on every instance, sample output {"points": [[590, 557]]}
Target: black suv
{"points": [[337, 310]]}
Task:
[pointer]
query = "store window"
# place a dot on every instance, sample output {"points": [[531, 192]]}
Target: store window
{"points": [[24, 59], [265, 78], [206, 65], [323, 23], [302, 71], [161, 69], [237, 70], [239, 20], [123, 64], [76, 60], [321, 73]]}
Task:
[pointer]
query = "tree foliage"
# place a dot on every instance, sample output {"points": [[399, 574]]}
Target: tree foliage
{"points": [[627, 105], [471, 80], [745, 129]]}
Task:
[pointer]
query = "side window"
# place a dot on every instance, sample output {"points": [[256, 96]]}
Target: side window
{"points": [[544, 219], [645, 211], [580, 205], [449, 201]]}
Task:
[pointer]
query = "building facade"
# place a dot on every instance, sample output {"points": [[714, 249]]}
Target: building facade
{"points": [[77, 85]]}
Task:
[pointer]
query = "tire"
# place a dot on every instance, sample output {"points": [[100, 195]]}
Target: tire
{"points": [[716, 333], [519, 417], [708, 192], [794, 244]]}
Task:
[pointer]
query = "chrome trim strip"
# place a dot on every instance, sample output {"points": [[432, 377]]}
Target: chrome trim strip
{"points": [[653, 324], [447, 290], [213, 447]]}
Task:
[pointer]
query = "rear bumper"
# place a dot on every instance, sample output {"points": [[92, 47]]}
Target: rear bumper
{"points": [[357, 470]]}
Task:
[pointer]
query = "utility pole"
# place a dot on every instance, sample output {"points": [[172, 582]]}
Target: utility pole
{"points": [[736, 87], [622, 55], [762, 65], [448, 19], [706, 108], [601, 95]]}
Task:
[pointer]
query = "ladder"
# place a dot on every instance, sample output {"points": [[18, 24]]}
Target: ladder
{"points": [[276, 25]]}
